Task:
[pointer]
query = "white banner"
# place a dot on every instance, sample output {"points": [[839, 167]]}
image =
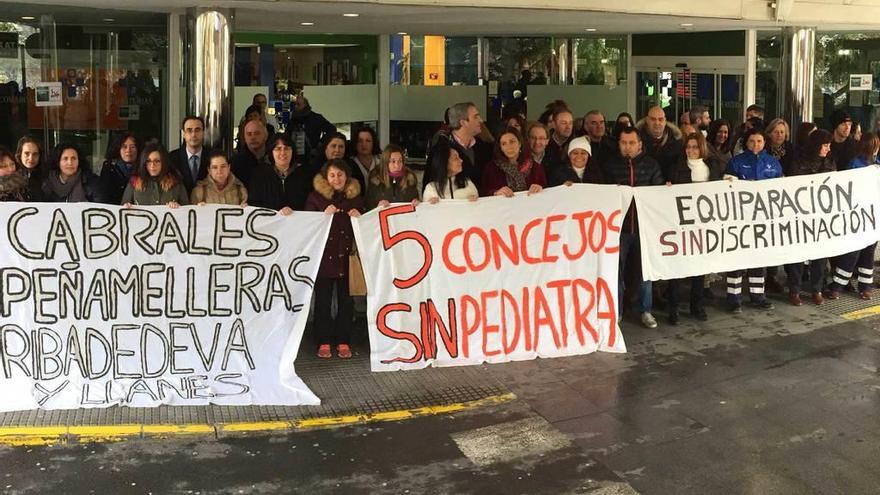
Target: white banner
{"points": [[720, 226], [494, 280], [103, 305]]}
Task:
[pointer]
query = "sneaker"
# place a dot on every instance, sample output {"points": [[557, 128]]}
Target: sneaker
{"points": [[865, 295], [699, 314], [673, 318], [648, 320], [817, 298], [324, 351], [343, 351], [735, 308], [763, 304], [795, 299]]}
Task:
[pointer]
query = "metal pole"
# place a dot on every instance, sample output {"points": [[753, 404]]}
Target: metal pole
{"points": [[210, 58], [798, 62]]}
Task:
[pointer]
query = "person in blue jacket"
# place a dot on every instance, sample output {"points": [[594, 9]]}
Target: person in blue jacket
{"points": [[753, 164]]}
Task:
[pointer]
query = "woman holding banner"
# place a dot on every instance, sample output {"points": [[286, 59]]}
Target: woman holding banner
{"points": [[863, 259], [336, 193], [282, 186], [392, 181], [120, 164], [69, 182], [696, 165], [13, 185], [221, 186], [449, 182], [511, 170], [29, 157], [719, 141], [581, 168], [752, 164], [155, 182], [813, 158]]}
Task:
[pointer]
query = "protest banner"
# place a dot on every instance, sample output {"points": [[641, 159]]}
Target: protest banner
{"points": [[715, 227], [495, 280], [103, 305]]}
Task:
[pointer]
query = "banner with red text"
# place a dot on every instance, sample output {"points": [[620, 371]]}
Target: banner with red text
{"points": [[103, 305], [499, 279], [715, 227]]}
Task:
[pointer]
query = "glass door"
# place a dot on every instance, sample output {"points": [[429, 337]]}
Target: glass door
{"points": [[678, 90]]}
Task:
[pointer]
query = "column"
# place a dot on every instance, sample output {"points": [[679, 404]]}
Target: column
{"points": [[383, 83], [751, 72], [798, 68], [210, 63]]}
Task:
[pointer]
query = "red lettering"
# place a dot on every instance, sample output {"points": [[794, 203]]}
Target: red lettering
{"points": [[598, 222], [610, 314], [544, 319], [389, 241], [384, 329], [559, 285], [524, 241], [550, 237], [582, 229], [673, 247], [511, 251], [446, 261], [468, 329], [428, 343], [487, 328], [582, 317], [476, 267], [613, 227], [509, 345]]}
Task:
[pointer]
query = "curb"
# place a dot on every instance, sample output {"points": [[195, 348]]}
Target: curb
{"points": [[18, 436]]}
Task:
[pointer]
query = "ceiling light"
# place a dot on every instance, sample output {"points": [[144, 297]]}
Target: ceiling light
{"points": [[28, 18], [307, 24], [350, 15], [108, 19], [687, 24], [401, 33], [316, 44], [591, 30]]}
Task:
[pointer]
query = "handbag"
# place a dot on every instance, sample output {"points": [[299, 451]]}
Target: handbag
{"points": [[357, 284]]}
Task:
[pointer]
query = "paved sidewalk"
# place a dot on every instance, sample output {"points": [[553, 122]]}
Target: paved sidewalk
{"points": [[349, 389]]}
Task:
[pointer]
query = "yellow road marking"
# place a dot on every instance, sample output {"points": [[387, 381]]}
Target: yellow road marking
{"points": [[48, 435], [862, 313]]}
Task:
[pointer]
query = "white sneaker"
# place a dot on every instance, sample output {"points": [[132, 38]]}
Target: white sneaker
{"points": [[648, 320]]}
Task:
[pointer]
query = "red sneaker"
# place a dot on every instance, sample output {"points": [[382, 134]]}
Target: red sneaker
{"points": [[324, 351], [344, 351]]}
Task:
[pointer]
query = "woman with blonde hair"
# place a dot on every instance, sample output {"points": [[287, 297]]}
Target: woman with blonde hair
{"points": [[392, 181]]}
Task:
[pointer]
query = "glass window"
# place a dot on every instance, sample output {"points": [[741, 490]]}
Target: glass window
{"points": [[599, 61], [110, 66], [838, 56], [768, 73]]}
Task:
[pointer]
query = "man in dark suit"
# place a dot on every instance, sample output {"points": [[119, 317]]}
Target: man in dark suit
{"points": [[189, 160]]}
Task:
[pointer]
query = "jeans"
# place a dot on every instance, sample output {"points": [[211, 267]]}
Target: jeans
{"points": [[629, 252]]}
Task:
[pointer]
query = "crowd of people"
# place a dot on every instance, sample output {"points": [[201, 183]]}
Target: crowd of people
{"points": [[345, 177]]}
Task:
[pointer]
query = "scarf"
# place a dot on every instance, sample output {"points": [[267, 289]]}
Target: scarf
{"points": [[699, 170], [13, 187], [516, 175], [71, 191], [777, 152], [397, 175]]}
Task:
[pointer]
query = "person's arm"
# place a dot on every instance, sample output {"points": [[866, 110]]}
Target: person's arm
{"points": [[430, 193], [197, 195]]}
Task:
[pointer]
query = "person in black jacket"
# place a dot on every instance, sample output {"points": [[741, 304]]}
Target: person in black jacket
{"points": [[310, 124], [563, 133], [843, 147], [120, 164], [281, 186], [661, 140], [253, 157], [696, 165], [465, 123], [581, 168], [70, 180], [633, 168], [538, 136], [602, 145], [190, 160]]}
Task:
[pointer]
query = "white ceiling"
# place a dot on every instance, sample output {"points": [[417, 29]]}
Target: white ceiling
{"points": [[285, 16]]}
